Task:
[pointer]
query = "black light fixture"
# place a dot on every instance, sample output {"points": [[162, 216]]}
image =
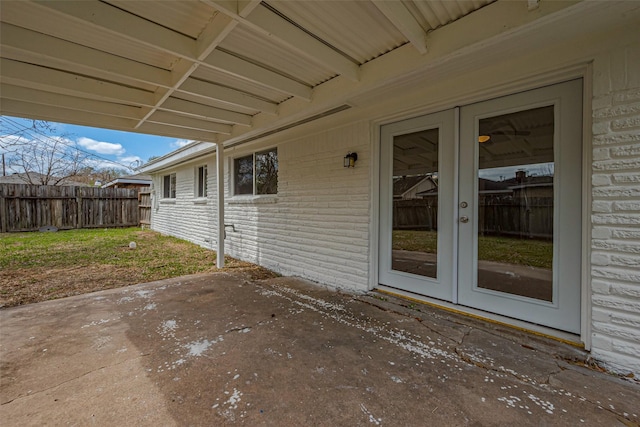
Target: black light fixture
{"points": [[350, 160]]}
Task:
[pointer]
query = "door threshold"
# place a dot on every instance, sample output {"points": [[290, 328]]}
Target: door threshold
{"points": [[520, 325]]}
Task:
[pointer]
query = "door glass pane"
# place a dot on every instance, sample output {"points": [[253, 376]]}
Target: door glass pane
{"points": [[415, 203], [515, 203]]}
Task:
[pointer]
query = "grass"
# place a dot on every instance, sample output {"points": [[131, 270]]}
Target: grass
{"points": [[41, 266], [527, 252]]}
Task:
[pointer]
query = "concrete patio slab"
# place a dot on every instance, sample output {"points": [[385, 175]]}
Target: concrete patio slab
{"points": [[221, 349]]}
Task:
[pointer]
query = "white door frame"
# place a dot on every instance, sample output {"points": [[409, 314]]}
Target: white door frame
{"points": [[563, 312], [528, 80], [441, 287]]}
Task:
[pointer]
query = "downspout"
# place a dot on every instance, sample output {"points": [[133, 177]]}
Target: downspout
{"points": [[220, 203]]}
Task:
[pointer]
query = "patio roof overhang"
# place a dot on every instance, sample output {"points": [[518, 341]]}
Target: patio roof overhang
{"points": [[228, 71]]}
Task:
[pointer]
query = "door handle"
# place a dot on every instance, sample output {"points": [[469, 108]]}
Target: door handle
{"points": [[464, 219]]}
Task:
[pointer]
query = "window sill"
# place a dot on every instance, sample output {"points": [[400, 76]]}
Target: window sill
{"points": [[200, 201], [167, 201], [253, 200]]}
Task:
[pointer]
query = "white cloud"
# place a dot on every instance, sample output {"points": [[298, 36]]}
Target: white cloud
{"points": [[101, 147], [129, 159], [12, 140], [105, 164], [179, 143]]}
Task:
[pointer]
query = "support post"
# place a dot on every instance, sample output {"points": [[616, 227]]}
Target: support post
{"points": [[220, 203]]}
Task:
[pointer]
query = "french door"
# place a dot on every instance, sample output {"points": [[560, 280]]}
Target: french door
{"points": [[481, 205]]}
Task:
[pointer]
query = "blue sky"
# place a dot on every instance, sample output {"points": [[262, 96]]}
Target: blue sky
{"points": [[122, 147]]}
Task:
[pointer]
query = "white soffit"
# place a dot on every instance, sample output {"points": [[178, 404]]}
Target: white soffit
{"points": [[226, 70]]}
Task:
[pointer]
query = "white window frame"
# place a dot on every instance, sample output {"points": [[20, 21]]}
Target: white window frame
{"points": [[254, 191], [170, 192], [201, 178]]}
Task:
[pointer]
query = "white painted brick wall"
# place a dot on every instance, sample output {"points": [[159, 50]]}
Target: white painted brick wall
{"points": [[615, 258], [318, 225], [187, 217]]}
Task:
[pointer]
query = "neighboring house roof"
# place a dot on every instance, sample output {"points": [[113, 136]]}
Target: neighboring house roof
{"points": [[140, 179], [508, 185], [188, 152], [23, 178], [406, 183]]}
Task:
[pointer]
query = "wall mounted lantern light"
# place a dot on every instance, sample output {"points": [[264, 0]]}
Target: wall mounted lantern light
{"points": [[350, 160]]}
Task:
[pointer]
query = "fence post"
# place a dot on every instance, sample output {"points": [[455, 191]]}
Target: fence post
{"points": [[3, 212], [78, 207]]}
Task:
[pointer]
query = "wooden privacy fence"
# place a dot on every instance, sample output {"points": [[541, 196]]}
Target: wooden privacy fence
{"points": [[144, 206], [29, 207], [416, 214], [530, 217]]}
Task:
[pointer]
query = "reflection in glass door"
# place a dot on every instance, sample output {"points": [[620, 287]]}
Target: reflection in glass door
{"points": [[416, 198], [519, 215], [415, 203], [515, 203]]}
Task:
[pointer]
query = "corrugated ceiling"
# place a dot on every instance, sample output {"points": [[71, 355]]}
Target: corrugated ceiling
{"points": [[209, 70]]}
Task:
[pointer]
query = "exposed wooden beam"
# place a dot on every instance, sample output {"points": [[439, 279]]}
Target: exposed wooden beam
{"points": [[33, 76], [116, 21], [255, 73], [222, 25], [46, 47], [458, 50], [164, 117], [399, 15], [205, 111], [177, 132], [64, 115], [227, 95], [208, 41], [35, 96], [274, 27], [234, 8]]}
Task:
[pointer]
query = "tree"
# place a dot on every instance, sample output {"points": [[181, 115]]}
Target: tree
{"points": [[45, 157]]}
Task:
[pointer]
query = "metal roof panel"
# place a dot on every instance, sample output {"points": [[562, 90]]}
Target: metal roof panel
{"points": [[186, 17], [248, 44], [345, 25]]}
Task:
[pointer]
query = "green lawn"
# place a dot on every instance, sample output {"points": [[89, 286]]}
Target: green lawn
{"points": [[532, 253], [40, 266]]}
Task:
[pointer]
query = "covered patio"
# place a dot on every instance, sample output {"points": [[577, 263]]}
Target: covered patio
{"points": [[313, 82], [223, 349]]}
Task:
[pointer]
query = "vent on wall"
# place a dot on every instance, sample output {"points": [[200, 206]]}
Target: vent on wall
{"points": [[292, 125]]}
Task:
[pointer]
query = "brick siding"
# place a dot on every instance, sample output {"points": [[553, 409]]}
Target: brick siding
{"points": [[317, 226], [615, 257]]}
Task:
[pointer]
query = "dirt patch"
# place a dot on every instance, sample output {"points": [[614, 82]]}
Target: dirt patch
{"points": [[25, 286], [33, 269]]}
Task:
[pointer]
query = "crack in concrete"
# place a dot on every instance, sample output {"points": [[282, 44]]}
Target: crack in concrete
{"points": [[407, 315], [73, 379]]}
